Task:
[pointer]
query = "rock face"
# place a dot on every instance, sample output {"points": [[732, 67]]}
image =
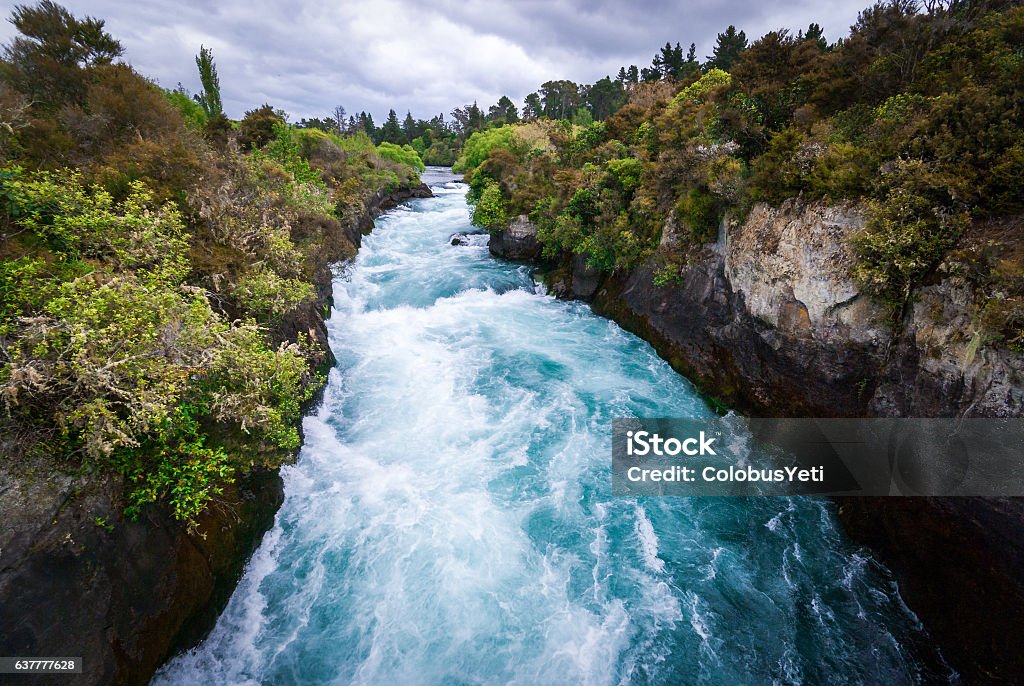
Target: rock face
{"points": [[518, 242], [77, 579], [768, 320], [122, 597]]}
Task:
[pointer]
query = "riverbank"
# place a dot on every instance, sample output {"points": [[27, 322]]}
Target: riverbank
{"points": [[78, 578], [768, 320]]}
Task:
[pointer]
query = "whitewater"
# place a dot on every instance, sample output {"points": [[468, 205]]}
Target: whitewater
{"points": [[449, 519]]}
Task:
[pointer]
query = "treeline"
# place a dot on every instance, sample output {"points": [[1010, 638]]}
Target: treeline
{"points": [[435, 141], [917, 115], [159, 266], [581, 104]]}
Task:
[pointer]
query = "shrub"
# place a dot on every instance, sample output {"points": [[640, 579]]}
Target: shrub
{"points": [[696, 91], [257, 127], [104, 342], [627, 172], [906, 236], [700, 210], [481, 143], [403, 154], [191, 111], [175, 464], [489, 211], [269, 295]]}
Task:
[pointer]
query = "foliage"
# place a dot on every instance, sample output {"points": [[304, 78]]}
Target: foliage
{"points": [[403, 154], [489, 211], [266, 293], [695, 92], [257, 127], [210, 98], [194, 114], [284, 149], [480, 145], [153, 276], [46, 60], [917, 115], [177, 465], [906, 236], [628, 172]]}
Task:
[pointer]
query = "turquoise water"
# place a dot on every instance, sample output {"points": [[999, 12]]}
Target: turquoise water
{"points": [[450, 521]]}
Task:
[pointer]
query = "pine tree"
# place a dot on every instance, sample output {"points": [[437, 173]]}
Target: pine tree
{"points": [[817, 34], [504, 111], [409, 126], [367, 125], [728, 48], [392, 130]]}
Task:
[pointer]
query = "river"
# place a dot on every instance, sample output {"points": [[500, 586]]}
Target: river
{"points": [[449, 519]]}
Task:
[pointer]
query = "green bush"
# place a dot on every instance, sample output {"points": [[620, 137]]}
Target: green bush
{"points": [[699, 209], [481, 143], [489, 211], [628, 172], [284, 149], [257, 127], [906, 236], [105, 342], [696, 91], [269, 295], [192, 111], [403, 154]]}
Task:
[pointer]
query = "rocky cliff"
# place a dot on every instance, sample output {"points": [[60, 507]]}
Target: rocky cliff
{"points": [[768, 319], [518, 242], [77, 579]]}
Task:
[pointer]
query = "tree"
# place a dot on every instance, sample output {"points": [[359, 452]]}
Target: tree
{"points": [[773, 73], [505, 111], [257, 127], [391, 131], [467, 119], [816, 34], [605, 97], [532, 106], [409, 128], [691, 66], [560, 99], [339, 118], [210, 97], [668, 62], [728, 48], [46, 60], [367, 125], [632, 75]]}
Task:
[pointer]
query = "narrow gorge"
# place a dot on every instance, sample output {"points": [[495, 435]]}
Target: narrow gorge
{"points": [[449, 517]]}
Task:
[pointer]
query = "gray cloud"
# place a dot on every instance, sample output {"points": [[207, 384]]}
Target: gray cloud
{"points": [[307, 57]]}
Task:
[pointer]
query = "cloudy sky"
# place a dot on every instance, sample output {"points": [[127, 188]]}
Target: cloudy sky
{"points": [[307, 57]]}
